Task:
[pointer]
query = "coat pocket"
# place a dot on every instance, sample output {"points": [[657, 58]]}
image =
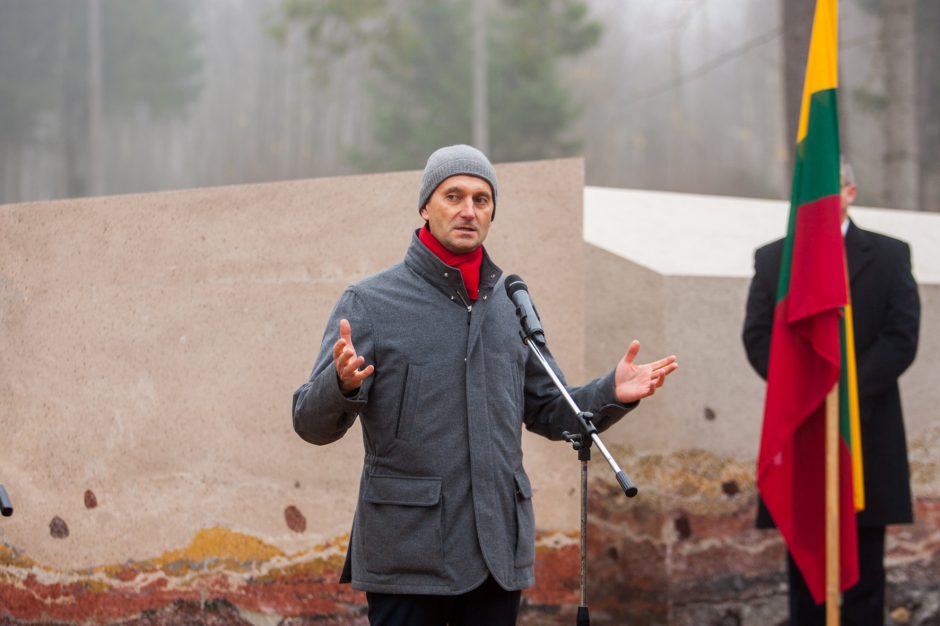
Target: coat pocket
{"points": [[518, 389], [409, 402], [525, 522], [401, 525]]}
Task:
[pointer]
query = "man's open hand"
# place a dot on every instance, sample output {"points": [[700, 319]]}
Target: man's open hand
{"points": [[348, 362], [634, 382]]}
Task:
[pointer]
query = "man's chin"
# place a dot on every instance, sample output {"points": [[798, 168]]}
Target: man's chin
{"points": [[464, 248], [464, 244]]}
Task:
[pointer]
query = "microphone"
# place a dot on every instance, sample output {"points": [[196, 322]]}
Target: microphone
{"points": [[518, 292]]}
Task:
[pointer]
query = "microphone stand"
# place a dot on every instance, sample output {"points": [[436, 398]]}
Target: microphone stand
{"points": [[6, 507], [581, 441]]}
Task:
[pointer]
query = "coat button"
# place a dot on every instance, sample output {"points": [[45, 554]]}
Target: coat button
{"points": [[445, 274]]}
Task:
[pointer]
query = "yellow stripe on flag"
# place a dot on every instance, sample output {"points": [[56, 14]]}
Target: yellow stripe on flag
{"points": [[821, 72], [855, 427]]}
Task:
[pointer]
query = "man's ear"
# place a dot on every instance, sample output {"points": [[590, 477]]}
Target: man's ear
{"points": [[424, 213], [851, 192]]}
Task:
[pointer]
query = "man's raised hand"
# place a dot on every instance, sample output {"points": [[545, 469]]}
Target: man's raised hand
{"points": [[634, 382], [347, 362]]}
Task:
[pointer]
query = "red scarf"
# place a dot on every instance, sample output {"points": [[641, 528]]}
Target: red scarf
{"points": [[468, 264]]}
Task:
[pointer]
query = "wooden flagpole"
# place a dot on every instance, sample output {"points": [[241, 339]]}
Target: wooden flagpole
{"points": [[832, 507]]}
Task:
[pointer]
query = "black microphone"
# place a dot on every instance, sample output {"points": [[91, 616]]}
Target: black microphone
{"points": [[519, 294]]}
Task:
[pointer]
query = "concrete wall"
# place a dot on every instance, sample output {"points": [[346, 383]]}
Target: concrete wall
{"points": [[674, 269]]}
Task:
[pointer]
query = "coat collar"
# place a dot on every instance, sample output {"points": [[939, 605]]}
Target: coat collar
{"points": [[447, 279], [857, 249]]}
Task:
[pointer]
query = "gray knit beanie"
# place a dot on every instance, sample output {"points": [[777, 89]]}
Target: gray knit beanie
{"points": [[453, 161]]}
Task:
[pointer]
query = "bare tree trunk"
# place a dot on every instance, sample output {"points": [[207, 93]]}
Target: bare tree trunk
{"points": [[73, 109], [928, 103], [797, 28], [481, 134], [94, 97], [900, 131]]}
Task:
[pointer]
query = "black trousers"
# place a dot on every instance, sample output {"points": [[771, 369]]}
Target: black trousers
{"points": [[863, 604], [487, 605]]}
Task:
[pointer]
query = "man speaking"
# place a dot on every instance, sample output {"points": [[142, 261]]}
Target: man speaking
{"points": [[427, 353]]}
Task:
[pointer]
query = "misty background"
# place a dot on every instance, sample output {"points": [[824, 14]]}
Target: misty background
{"points": [[117, 96]]}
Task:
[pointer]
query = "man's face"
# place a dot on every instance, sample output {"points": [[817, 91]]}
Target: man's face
{"points": [[847, 198], [459, 212]]}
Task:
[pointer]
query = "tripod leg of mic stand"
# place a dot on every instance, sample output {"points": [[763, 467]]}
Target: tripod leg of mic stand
{"points": [[584, 618], [6, 507]]}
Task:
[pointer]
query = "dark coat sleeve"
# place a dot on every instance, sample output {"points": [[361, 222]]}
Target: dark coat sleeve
{"points": [[547, 413], [761, 303], [881, 363], [321, 413]]}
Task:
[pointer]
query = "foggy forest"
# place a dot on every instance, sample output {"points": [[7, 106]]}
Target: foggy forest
{"points": [[121, 96]]}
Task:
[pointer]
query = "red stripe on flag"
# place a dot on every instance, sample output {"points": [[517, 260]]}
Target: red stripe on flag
{"points": [[805, 360], [797, 381], [817, 269], [795, 494]]}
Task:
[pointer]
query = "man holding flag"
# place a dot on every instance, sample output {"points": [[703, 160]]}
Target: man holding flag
{"points": [[832, 322]]}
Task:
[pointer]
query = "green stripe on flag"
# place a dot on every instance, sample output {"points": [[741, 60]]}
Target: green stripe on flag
{"points": [[815, 171]]}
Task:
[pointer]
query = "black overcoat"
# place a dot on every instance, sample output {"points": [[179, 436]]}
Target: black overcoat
{"points": [[886, 314]]}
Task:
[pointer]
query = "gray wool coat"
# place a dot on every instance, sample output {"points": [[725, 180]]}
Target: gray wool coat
{"points": [[443, 499]]}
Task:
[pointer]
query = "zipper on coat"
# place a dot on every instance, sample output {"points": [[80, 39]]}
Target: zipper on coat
{"points": [[466, 304]]}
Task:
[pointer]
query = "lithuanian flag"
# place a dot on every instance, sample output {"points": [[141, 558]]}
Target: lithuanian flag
{"points": [[812, 343]]}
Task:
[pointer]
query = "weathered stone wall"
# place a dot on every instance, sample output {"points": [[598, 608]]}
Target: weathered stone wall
{"points": [[150, 344], [150, 347]]}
